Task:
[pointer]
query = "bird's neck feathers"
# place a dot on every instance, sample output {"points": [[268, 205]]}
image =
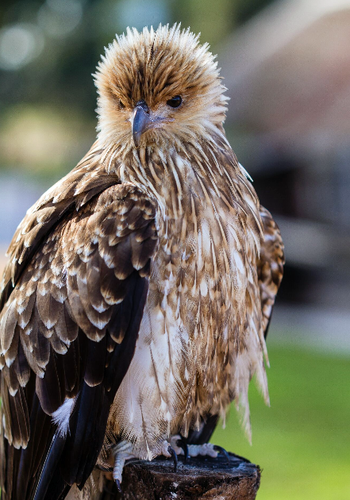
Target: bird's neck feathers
{"points": [[204, 172]]}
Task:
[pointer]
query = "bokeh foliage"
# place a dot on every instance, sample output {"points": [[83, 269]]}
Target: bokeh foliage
{"points": [[49, 49]]}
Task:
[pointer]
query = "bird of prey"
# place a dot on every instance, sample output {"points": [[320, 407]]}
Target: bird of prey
{"points": [[140, 286]]}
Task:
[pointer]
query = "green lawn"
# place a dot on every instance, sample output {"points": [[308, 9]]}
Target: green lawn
{"points": [[302, 442]]}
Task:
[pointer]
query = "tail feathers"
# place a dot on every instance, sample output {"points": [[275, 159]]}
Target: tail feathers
{"points": [[58, 489], [48, 481], [87, 428], [71, 457]]}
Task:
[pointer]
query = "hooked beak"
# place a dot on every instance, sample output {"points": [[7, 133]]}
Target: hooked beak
{"points": [[140, 122]]}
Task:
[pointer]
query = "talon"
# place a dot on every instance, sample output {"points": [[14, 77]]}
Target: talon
{"points": [[181, 443], [119, 487], [222, 451], [173, 454]]}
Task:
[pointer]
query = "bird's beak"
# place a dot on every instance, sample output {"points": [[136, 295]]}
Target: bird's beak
{"points": [[140, 122]]}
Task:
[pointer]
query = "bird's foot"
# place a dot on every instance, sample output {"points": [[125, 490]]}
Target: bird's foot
{"points": [[181, 447], [193, 450], [123, 451], [177, 445], [204, 450]]}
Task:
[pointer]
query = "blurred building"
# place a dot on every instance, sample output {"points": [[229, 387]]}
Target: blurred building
{"points": [[288, 75]]}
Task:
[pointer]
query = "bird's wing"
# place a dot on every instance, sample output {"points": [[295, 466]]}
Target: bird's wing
{"points": [[67, 336], [73, 191], [270, 265]]}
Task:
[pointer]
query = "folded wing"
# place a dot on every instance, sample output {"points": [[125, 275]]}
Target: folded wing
{"points": [[68, 331]]}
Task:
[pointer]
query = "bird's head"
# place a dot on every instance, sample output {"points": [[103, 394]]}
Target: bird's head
{"points": [[158, 87]]}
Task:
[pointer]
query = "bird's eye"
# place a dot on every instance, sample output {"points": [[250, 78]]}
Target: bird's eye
{"points": [[121, 104], [175, 101]]}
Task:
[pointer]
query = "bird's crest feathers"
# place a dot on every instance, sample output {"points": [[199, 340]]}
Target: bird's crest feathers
{"points": [[155, 66]]}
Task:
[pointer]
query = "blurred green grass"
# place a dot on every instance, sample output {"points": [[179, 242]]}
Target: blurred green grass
{"points": [[302, 442]]}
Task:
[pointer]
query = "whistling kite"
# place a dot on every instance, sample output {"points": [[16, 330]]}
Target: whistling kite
{"points": [[140, 286]]}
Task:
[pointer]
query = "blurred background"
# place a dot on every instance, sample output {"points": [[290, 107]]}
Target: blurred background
{"points": [[287, 69]]}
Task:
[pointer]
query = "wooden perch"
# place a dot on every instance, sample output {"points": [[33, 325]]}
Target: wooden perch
{"points": [[199, 478]]}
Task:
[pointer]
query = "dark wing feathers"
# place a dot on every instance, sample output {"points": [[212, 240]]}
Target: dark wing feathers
{"points": [[89, 420], [68, 329], [51, 389]]}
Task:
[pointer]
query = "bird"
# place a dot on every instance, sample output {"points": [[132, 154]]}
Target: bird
{"points": [[139, 288]]}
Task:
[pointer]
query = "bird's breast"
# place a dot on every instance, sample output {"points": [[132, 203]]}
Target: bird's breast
{"points": [[191, 331]]}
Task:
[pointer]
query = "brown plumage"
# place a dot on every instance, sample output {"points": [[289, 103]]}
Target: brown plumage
{"points": [[140, 286]]}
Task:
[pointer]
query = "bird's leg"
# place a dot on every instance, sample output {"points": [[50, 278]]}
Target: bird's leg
{"points": [[122, 451], [174, 455]]}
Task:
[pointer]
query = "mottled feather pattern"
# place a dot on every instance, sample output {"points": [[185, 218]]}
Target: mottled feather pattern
{"points": [[140, 286], [87, 179], [270, 265], [40, 323], [203, 294]]}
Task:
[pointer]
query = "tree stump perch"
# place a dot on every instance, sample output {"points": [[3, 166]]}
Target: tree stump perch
{"points": [[200, 478]]}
